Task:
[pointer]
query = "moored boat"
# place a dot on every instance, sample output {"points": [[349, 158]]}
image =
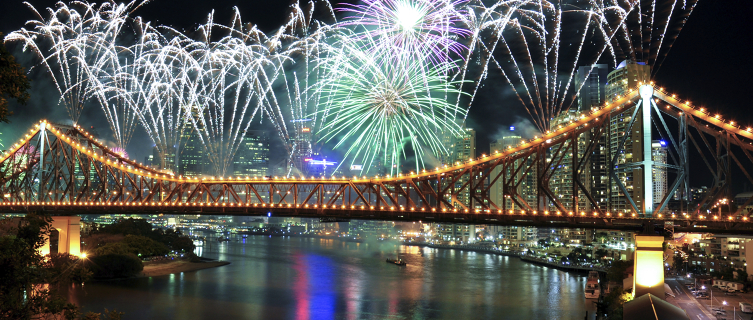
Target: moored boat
{"points": [[593, 289]]}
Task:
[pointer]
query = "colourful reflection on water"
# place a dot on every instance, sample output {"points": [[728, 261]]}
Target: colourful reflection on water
{"points": [[300, 278]]}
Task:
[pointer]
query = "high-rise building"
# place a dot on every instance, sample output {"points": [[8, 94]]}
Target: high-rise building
{"points": [[659, 155], [561, 182], [526, 188], [463, 149], [628, 75], [192, 161], [252, 157], [592, 81]]}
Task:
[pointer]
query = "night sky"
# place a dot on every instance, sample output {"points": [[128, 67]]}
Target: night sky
{"points": [[709, 64]]}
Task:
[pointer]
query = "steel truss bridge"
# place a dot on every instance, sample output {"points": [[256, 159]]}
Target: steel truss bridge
{"points": [[64, 170]]}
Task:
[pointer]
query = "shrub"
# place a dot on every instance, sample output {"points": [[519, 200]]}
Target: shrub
{"points": [[116, 265]]}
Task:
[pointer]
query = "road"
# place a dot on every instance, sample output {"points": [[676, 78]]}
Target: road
{"points": [[685, 300], [702, 309]]}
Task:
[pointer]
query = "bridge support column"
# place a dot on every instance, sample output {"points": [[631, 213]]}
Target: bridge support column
{"points": [[647, 95], [648, 270], [69, 236]]}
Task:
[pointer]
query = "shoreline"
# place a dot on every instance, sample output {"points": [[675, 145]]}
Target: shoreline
{"points": [[156, 269]]}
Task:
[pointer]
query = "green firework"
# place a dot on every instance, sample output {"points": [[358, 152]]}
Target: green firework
{"points": [[380, 107]]}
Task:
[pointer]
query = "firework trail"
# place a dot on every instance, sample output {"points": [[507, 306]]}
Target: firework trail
{"points": [[651, 29], [57, 41]]}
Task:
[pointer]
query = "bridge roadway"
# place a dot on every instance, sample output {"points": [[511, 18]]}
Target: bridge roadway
{"points": [[684, 223]]}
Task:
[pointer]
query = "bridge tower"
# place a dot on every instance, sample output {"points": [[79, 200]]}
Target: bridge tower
{"points": [[647, 95]]}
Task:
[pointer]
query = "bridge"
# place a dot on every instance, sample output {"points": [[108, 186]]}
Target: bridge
{"points": [[64, 170]]}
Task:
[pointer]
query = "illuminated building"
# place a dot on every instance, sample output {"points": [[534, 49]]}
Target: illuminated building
{"points": [[192, 161], [463, 149], [455, 233], [659, 155], [628, 75], [252, 157], [592, 81], [527, 187], [518, 236]]}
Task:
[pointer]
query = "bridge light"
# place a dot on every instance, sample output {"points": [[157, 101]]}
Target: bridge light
{"points": [[546, 212], [745, 218], [455, 210], [716, 217], [522, 212], [729, 218], [633, 214], [659, 215], [559, 213], [570, 213]]}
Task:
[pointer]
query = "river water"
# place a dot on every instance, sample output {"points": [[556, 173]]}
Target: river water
{"points": [[305, 278]]}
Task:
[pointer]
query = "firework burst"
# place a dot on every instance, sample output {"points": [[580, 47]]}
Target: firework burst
{"points": [[381, 110], [412, 28]]}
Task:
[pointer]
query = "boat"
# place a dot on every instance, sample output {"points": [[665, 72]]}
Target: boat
{"points": [[220, 239], [398, 262], [593, 289]]}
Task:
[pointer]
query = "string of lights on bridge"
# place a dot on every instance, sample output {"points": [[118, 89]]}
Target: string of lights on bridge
{"points": [[401, 208], [547, 138]]}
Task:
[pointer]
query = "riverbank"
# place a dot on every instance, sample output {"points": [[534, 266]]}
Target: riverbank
{"points": [[161, 268], [528, 259]]}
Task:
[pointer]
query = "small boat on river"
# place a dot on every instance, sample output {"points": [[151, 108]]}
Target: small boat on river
{"points": [[398, 262]]}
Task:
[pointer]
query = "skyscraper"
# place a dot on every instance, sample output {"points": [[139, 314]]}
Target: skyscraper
{"points": [[464, 149], [592, 81], [628, 75], [527, 187], [659, 155], [252, 157], [192, 157]]}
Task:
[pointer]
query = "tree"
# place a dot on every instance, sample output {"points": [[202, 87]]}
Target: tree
{"points": [[679, 262], [116, 265], [13, 82], [602, 237], [600, 253], [145, 247], [24, 273]]}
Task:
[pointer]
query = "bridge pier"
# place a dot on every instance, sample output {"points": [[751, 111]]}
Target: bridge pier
{"points": [[648, 267], [69, 235]]}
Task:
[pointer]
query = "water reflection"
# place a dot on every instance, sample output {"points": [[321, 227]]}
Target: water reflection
{"points": [[300, 278]]}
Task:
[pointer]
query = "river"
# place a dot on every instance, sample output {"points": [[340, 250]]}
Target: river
{"points": [[306, 278]]}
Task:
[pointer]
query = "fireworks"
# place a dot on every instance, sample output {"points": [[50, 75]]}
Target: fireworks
{"points": [[379, 109], [425, 29], [382, 86]]}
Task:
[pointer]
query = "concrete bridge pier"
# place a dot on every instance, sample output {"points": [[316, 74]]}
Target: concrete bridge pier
{"points": [[648, 271], [69, 235]]}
